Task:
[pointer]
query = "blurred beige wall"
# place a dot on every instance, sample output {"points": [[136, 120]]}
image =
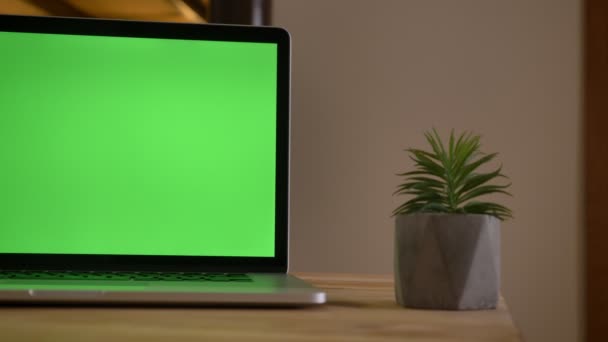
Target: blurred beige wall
{"points": [[370, 76]]}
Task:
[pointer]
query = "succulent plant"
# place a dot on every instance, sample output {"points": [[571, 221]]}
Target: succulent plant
{"points": [[447, 179]]}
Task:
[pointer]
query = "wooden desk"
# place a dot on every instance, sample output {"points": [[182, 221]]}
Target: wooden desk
{"points": [[360, 308]]}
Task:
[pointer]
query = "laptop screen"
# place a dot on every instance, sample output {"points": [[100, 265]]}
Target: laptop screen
{"points": [[137, 146]]}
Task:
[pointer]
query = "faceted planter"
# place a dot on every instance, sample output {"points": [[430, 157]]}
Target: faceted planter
{"points": [[447, 261]]}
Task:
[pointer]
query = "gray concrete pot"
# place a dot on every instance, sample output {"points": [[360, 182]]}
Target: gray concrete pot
{"points": [[447, 261]]}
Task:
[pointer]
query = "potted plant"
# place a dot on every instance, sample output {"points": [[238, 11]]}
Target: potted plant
{"points": [[447, 241]]}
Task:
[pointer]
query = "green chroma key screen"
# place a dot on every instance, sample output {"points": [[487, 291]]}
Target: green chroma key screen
{"points": [[137, 146]]}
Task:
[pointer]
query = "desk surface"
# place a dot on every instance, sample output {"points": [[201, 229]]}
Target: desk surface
{"points": [[360, 308]]}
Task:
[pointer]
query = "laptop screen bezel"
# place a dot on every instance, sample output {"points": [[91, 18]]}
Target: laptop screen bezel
{"points": [[234, 33]]}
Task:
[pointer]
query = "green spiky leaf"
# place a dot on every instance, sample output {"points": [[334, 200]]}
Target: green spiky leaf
{"points": [[447, 179]]}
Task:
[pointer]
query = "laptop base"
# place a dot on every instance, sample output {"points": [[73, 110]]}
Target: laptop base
{"points": [[263, 290]]}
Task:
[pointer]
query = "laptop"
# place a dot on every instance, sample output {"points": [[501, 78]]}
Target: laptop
{"points": [[145, 163]]}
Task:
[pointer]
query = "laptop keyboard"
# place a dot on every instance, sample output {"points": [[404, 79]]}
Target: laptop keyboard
{"points": [[135, 276]]}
